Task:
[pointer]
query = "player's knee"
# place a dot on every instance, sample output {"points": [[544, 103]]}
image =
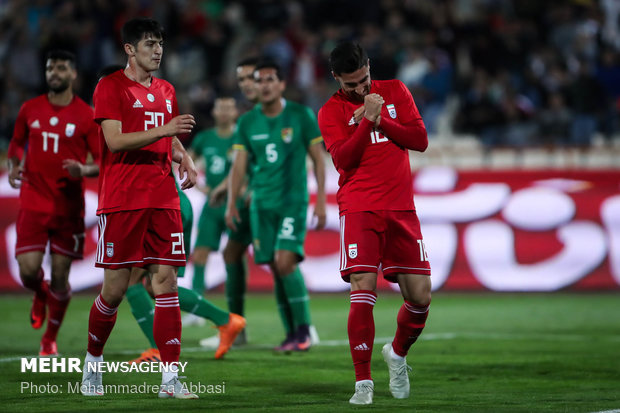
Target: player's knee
{"points": [[200, 255], [232, 254], [285, 267], [28, 272]]}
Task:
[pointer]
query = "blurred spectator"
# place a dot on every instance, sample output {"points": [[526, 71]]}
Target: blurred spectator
{"points": [[499, 61]]}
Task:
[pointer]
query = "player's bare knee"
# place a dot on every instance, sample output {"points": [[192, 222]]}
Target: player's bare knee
{"points": [[285, 267], [363, 281], [200, 255], [232, 253]]}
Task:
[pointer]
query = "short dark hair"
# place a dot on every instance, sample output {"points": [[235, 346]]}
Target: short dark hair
{"points": [[135, 29], [59, 54], [347, 57], [248, 61], [269, 64]]}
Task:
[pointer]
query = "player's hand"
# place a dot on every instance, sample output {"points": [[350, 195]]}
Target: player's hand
{"points": [[180, 125], [15, 176], [232, 216], [75, 168], [217, 197], [319, 213], [188, 174], [359, 114], [373, 103]]}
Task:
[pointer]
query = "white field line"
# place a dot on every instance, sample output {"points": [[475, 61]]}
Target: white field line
{"points": [[382, 340]]}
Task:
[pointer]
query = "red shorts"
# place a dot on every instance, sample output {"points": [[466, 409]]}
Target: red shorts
{"points": [[140, 238], [35, 229], [391, 240]]}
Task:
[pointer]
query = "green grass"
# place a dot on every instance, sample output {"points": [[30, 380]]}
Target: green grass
{"points": [[480, 352]]}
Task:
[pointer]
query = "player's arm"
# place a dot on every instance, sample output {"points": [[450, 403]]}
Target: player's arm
{"points": [[345, 151], [187, 170], [78, 170], [408, 132], [316, 153], [410, 135], [118, 141], [16, 149], [236, 179]]}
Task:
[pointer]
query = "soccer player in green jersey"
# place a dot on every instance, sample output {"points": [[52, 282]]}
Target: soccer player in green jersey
{"points": [[274, 138], [215, 147]]}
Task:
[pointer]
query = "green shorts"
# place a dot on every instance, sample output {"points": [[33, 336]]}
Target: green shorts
{"points": [[282, 229], [212, 225]]}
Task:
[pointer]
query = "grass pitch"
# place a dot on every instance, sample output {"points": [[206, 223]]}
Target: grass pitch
{"points": [[479, 352]]}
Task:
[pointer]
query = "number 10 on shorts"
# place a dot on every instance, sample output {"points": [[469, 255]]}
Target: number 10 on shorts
{"points": [[423, 256]]}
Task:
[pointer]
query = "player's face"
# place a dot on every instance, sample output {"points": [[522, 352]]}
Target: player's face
{"points": [[149, 52], [269, 86], [356, 85], [245, 81], [59, 75], [224, 111]]}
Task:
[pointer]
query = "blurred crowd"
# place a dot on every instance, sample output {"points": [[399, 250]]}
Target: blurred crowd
{"points": [[512, 73]]}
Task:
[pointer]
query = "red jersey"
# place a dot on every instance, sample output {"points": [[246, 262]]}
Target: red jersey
{"points": [[53, 134], [382, 179], [140, 178]]}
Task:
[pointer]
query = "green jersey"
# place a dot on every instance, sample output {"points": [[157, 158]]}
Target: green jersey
{"points": [[277, 148], [217, 152]]}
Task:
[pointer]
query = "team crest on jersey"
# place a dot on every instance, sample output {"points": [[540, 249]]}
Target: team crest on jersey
{"points": [[70, 129], [391, 110], [109, 249], [287, 135], [169, 105], [352, 251]]}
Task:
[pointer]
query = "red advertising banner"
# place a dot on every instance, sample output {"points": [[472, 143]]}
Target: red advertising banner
{"points": [[484, 230]]}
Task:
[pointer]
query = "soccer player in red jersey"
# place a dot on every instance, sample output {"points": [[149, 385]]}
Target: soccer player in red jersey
{"points": [[59, 131], [139, 211], [368, 127]]}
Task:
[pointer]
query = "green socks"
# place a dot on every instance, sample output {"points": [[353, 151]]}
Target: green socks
{"points": [[235, 286], [198, 282], [283, 306], [142, 309], [192, 302], [297, 295]]}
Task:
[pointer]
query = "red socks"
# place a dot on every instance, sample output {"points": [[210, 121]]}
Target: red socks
{"points": [[167, 326], [361, 329], [100, 324], [411, 320], [57, 304]]}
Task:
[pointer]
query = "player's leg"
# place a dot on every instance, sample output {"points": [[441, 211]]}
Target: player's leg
{"points": [[143, 310], [122, 245], [406, 262], [294, 287], [211, 225], [32, 239], [58, 300], [265, 224], [361, 246], [66, 245], [361, 332], [289, 252], [236, 275], [100, 324], [31, 274]]}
